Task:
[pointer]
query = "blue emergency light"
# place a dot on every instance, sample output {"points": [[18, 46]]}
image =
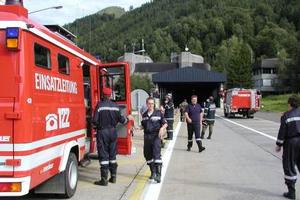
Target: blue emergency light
{"points": [[12, 32]]}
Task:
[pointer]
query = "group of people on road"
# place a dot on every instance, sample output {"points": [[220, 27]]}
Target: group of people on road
{"points": [[155, 122], [106, 117]]}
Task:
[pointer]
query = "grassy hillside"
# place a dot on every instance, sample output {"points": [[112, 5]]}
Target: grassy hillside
{"points": [[113, 10]]}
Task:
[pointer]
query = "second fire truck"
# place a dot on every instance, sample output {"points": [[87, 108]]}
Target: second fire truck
{"points": [[243, 102]]}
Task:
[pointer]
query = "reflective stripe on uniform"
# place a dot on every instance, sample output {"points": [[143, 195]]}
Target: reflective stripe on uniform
{"points": [[145, 118], [279, 141], [292, 119], [108, 109], [169, 130], [198, 139], [158, 161], [104, 163], [290, 177], [113, 161], [190, 140], [149, 161], [210, 119], [155, 118], [169, 119]]}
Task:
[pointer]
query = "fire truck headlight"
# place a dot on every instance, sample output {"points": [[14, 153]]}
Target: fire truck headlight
{"points": [[12, 38]]}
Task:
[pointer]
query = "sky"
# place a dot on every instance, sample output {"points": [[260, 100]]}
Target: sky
{"points": [[73, 9]]}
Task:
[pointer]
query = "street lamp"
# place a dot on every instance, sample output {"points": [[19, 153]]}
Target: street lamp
{"points": [[54, 7]]}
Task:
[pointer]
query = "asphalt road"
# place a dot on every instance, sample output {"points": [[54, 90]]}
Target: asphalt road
{"points": [[239, 163]]}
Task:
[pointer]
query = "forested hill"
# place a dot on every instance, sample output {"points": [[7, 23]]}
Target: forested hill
{"points": [[212, 28]]}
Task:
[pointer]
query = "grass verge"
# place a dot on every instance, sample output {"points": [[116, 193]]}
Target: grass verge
{"points": [[275, 103]]}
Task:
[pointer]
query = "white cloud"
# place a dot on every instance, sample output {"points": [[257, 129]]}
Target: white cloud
{"points": [[73, 9]]}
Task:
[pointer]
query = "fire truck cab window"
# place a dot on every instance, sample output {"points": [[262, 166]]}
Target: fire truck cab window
{"points": [[63, 64], [42, 56], [114, 78]]}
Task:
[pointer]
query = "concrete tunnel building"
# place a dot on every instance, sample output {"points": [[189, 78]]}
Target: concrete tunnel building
{"points": [[187, 81], [185, 75]]}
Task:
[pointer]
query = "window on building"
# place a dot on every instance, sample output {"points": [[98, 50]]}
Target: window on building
{"points": [[63, 64], [42, 56], [267, 71]]}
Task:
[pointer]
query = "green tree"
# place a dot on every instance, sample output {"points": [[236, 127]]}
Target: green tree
{"points": [[234, 59], [268, 26], [141, 82]]}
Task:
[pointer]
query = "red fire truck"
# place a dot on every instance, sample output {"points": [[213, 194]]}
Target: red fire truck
{"points": [[245, 102], [49, 90]]}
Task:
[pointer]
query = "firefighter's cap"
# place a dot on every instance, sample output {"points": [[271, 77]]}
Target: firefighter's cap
{"points": [[107, 91]]}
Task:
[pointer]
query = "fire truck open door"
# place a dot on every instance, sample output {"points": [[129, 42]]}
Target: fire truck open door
{"points": [[117, 77]]}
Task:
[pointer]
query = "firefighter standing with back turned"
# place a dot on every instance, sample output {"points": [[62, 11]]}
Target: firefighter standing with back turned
{"points": [[168, 108], [209, 117], [107, 116], [154, 125], [289, 139]]}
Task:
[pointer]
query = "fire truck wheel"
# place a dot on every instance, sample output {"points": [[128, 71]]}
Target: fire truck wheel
{"points": [[71, 175]]}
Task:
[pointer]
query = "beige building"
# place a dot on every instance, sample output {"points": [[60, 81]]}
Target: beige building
{"points": [[2, 2]]}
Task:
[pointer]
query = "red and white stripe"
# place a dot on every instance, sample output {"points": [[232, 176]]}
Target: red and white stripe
{"points": [[39, 152]]}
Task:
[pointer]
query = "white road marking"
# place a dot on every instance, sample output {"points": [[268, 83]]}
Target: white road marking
{"points": [[152, 191], [248, 128]]}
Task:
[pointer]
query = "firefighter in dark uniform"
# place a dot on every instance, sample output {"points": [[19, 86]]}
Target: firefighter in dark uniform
{"points": [[154, 125], [194, 116], [168, 109], [209, 117], [107, 116], [289, 139]]}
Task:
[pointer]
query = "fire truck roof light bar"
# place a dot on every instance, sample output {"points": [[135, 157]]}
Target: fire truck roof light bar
{"points": [[12, 32]]}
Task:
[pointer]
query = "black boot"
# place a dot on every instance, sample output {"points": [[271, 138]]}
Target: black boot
{"points": [[104, 175], [291, 194], [152, 169], [113, 172], [189, 146], [202, 135], [209, 136], [158, 173], [200, 147]]}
